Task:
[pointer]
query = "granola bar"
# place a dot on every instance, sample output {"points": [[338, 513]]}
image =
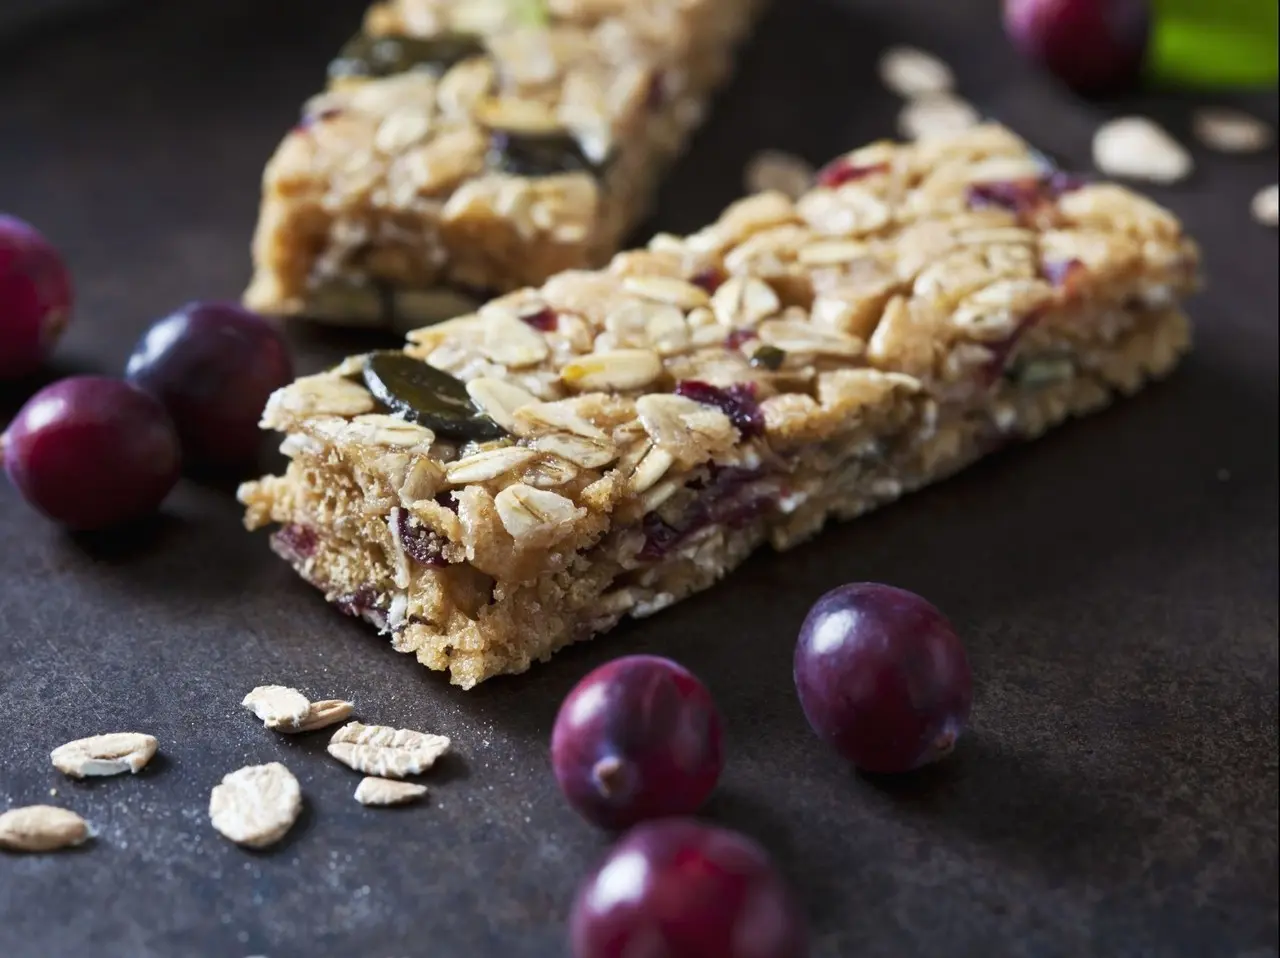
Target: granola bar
{"points": [[481, 145], [626, 437]]}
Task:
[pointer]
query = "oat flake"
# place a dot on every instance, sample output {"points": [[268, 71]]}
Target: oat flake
{"points": [[383, 791], [101, 755], [278, 706], [1137, 148], [911, 73], [41, 828], [776, 170], [1266, 205], [386, 752], [1230, 131], [256, 805], [934, 116]]}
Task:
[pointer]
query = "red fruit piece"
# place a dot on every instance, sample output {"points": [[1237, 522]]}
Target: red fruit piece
{"points": [[1094, 46], [35, 298], [841, 171], [737, 401]]}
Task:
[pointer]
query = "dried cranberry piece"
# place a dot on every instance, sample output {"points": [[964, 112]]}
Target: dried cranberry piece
{"points": [[295, 543], [723, 503], [737, 337], [738, 402], [710, 279], [447, 500], [1066, 275], [361, 602], [545, 320], [1059, 182], [842, 171], [1022, 196], [420, 542], [659, 537]]}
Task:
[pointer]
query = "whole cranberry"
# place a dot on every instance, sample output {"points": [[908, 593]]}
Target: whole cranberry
{"points": [[1094, 46], [35, 298]]}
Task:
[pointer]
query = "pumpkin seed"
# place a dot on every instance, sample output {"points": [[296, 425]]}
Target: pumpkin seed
{"points": [[382, 56], [768, 357], [537, 154], [422, 394]]}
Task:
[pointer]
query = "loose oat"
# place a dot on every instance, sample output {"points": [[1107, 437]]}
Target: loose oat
{"points": [[937, 115], [386, 752], [41, 828], [102, 755], [278, 706], [1137, 148], [776, 170], [256, 805], [322, 714], [384, 791], [912, 73], [1230, 131], [1266, 205]]}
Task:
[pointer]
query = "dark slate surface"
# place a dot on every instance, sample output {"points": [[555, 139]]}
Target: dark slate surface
{"points": [[1116, 583]]}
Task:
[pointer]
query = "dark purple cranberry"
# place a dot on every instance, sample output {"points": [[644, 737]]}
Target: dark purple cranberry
{"points": [[295, 543], [35, 298], [91, 452], [737, 337], [737, 401], [1094, 46], [730, 497], [420, 542], [842, 171], [447, 500], [882, 677], [361, 602], [544, 320], [213, 365], [683, 889], [638, 738], [659, 537], [710, 279], [1066, 275]]}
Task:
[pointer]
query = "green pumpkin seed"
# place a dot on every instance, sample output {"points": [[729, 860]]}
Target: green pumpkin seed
{"points": [[1036, 373], [382, 56], [537, 154], [768, 357], [420, 393]]}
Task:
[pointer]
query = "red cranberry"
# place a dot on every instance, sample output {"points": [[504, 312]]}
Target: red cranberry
{"points": [[842, 171], [92, 452], [35, 298], [1094, 46], [681, 889], [1066, 275], [637, 738], [737, 401], [420, 542], [882, 677], [737, 337], [294, 543], [544, 320], [710, 279]]}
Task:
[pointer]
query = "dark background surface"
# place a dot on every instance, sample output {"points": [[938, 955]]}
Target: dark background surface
{"points": [[1116, 583]]}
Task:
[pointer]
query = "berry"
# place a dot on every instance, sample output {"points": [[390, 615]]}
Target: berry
{"points": [[681, 889], [92, 452], [737, 401], [882, 677], [35, 298], [1094, 46], [213, 365], [637, 738]]}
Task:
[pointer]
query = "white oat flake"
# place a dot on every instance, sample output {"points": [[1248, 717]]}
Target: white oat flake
{"points": [[911, 73], [935, 116], [101, 755], [775, 170], [1230, 131], [278, 706], [1266, 205], [256, 805], [383, 791], [386, 752], [1134, 147], [41, 828]]}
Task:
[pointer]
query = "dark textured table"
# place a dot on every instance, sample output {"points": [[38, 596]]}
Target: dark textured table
{"points": [[1116, 582]]}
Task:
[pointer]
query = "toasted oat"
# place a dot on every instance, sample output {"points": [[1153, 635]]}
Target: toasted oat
{"points": [[499, 399], [383, 791], [936, 115], [1230, 131], [278, 706], [322, 714], [256, 805], [41, 828], [775, 170], [664, 289], [1266, 205], [488, 464], [620, 370], [1137, 148], [384, 751], [912, 73], [101, 755]]}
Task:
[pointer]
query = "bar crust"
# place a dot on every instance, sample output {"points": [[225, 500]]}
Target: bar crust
{"points": [[794, 362]]}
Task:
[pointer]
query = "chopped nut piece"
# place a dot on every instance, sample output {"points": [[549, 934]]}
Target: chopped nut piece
{"points": [[256, 805], [278, 706], [41, 828], [775, 170], [386, 752], [101, 755], [1266, 205], [912, 73], [1137, 148], [384, 791], [1230, 131]]}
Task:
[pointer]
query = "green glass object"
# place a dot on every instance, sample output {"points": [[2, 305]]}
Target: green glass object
{"points": [[1214, 43]]}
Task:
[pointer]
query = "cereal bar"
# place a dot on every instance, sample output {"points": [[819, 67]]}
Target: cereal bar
{"points": [[605, 445], [470, 147]]}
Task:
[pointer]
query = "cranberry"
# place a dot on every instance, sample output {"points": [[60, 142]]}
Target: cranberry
{"points": [[420, 542], [1094, 46], [92, 452], [447, 500], [637, 738], [363, 601], [882, 677], [682, 889], [709, 279], [730, 498], [213, 365], [544, 320], [737, 337], [1066, 275], [35, 298], [737, 401], [839, 172], [295, 543]]}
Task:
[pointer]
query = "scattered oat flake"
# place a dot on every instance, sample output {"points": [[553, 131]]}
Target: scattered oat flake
{"points": [[1136, 148], [100, 755], [384, 751], [912, 73], [41, 828], [932, 116], [1230, 131], [1266, 205], [383, 791], [278, 706], [322, 714], [775, 170], [256, 805]]}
